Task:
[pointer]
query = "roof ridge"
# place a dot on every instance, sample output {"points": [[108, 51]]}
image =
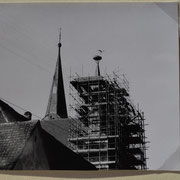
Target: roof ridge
{"points": [[19, 122]]}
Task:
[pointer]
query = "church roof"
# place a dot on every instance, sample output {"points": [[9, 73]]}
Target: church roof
{"points": [[13, 137], [8, 114], [59, 129]]}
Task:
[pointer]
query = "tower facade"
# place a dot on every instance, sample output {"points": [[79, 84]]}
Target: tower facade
{"points": [[106, 128]]}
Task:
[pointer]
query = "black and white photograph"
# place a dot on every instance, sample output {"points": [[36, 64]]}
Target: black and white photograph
{"points": [[89, 86]]}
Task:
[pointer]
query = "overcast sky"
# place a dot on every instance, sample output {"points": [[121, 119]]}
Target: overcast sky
{"points": [[141, 40]]}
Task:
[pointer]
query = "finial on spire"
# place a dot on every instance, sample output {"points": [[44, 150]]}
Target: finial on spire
{"points": [[97, 59], [59, 44]]}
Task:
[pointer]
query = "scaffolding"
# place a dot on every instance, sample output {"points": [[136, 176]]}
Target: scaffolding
{"points": [[106, 128]]}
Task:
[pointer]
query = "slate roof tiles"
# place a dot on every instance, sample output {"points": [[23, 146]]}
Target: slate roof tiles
{"points": [[13, 137]]}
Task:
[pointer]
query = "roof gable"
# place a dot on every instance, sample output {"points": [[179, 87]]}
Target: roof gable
{"points": [[8, 114]]}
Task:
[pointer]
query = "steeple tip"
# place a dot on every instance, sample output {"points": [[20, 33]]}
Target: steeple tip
{"points": [[59, 43], [97, 59]]}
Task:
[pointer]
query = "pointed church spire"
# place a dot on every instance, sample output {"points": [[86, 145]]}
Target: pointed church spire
{"points": [[56, 108]]}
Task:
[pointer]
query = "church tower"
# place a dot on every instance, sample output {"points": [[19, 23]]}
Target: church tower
{"points": [[56, 108]]}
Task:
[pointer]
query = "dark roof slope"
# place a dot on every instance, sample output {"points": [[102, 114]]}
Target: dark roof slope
{"points": [[7, 113], [13, 137], [59, 129], [61, 157]]}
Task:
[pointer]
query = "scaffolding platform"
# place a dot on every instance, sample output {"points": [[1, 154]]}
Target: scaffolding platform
{"points": [[106, 128]]}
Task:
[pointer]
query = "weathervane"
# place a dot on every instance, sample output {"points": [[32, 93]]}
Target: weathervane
{"points": [[97, 59]]}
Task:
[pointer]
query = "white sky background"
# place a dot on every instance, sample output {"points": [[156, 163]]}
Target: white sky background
{"points": [[141, 39]]}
